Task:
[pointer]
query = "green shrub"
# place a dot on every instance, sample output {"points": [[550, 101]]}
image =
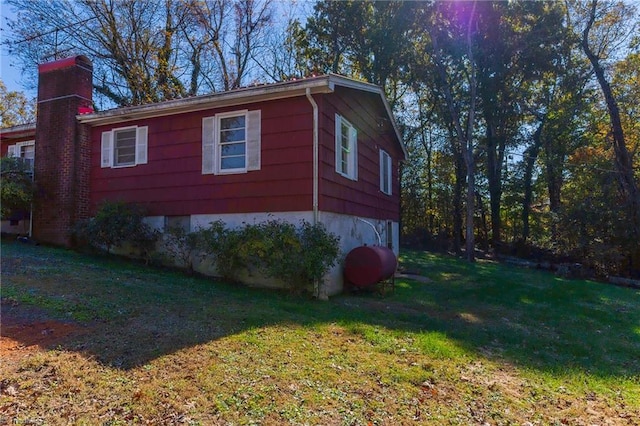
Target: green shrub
{"points": [[115, 224], [319, 250], [17, 189], [296, 255], [218, 243], [178, 244]]}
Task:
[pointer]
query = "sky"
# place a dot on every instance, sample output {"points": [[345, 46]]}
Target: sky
{"points": [[9, 72]]}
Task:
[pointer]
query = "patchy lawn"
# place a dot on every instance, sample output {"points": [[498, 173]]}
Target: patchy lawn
{"points": [[90, 340]]}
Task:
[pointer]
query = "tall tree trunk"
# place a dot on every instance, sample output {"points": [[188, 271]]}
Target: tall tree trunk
{"points": [[430, 206], [531, 155], [470, 241], [464, 136], [554, 162], [495, 146], [458, 188], [484, 243], [623, 160]]}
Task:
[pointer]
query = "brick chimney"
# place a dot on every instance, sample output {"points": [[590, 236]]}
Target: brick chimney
{"points": [[62, 157]]}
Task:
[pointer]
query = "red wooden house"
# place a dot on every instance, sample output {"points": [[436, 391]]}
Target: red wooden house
{"points": [[324, 149]]}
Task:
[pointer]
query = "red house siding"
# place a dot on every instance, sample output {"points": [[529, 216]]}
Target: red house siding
{"points": [[172, 183], [362, 197]]}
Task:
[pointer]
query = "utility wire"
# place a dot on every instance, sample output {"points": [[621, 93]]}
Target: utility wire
{"points": [[35, 36]]}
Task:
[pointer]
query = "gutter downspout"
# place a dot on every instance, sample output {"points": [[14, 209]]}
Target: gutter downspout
{"points": [[315, 156], [316, 283]]}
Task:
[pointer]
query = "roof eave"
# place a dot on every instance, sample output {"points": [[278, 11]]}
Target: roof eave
{"points": [[18, 132], [317, 85], [217, 100]]}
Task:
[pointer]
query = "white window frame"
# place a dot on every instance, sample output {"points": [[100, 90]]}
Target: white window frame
{"points": [[108, 147], [212, 145], [219, 144], [385, 176], [16, 151], [351, 148]]}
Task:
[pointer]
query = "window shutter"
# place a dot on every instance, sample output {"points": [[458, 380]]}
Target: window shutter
{"points": [[208, 145], [253, 140], [353, 145], [389, 174], [141, 144], [106, 149], [338, 142], [12, 151], [382, 176]]}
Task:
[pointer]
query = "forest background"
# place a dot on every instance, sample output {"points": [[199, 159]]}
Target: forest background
{"points": [[521, 118]]}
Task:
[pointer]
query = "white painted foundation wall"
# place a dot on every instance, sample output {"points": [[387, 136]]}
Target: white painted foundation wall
{"points": [[353, 232], [21, 228]]}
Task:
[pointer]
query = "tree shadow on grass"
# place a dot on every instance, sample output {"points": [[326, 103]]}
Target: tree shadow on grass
{"points": [[132, 315]]}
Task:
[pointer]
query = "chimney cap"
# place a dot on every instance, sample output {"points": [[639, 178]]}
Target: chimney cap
{"points": [[65, 63]]}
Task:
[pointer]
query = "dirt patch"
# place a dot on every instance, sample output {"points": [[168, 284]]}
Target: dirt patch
{"points": [[25, 329]]}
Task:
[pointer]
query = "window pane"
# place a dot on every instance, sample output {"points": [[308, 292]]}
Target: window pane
{"points": [[345, 138], [124, 159], [346, 148], [232, 142], [232, 163], [28, 151], [232, 123], [125, 147], [233, 149], [344, 164], [231, 135], [124, 136], [385, 172]]}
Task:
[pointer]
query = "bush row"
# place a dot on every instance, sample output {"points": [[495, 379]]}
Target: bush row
{"points": [[296, 255]]}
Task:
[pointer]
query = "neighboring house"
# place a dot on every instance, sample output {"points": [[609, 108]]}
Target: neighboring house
{"points": [[19, 141], [321, 149]]}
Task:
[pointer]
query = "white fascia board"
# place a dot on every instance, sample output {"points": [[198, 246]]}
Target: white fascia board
{"points": [[241, 96], [19, 131]]}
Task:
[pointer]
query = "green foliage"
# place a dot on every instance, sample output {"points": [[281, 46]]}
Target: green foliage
{"points": [[16, 186], [15, 108], [296, 255], [179, 244], [115, 224], [319, 249], [591, 226]]}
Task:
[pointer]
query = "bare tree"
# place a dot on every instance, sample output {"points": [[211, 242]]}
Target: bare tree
{"points": [[229, 32], [144, 50]]}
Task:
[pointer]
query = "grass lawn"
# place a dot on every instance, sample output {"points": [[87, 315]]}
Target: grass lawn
{"points": [[90, 340]]}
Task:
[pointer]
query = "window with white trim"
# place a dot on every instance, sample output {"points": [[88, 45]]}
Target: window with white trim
{"points": [[385, 172], [346, 148], [231, 142], [124, 147], [25, 150], [232, 145]]}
